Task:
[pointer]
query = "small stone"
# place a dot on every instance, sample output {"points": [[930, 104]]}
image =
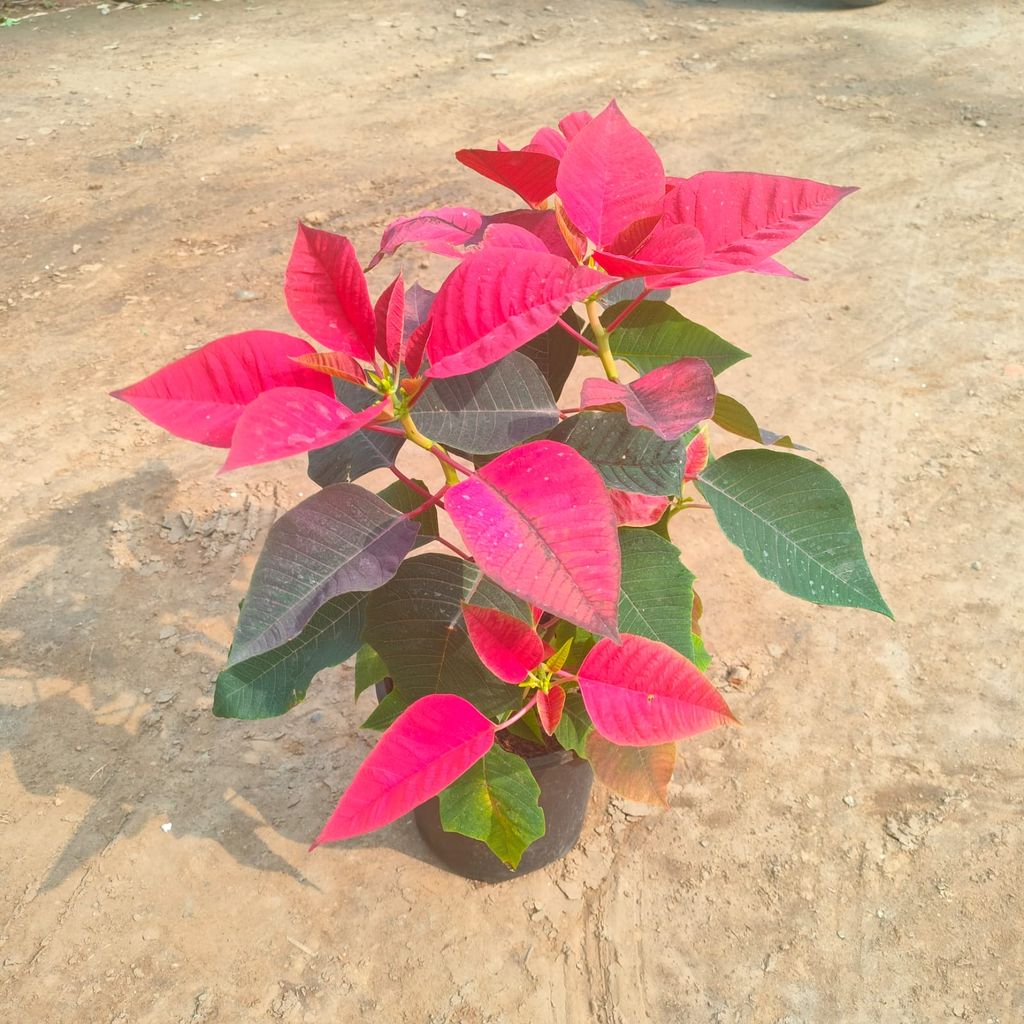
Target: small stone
{"points": [[776, 650], [849, 800], [572, 888], [165, 696], [980, 123], [737, 675], [316, 217], [461, 12], [244, 295], [166, 632], [314, 718], [976, 566], [75, 249], [484, 56], [166, 826]]}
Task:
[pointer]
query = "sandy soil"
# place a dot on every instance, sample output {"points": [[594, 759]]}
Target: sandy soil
{"points": [[852, 855]]}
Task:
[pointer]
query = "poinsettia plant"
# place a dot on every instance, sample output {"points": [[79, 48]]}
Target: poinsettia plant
{"points": [[552, 609]]}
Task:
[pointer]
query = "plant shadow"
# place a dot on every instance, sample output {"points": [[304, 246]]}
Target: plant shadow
{"points": [[778, 6], [97, 700]]}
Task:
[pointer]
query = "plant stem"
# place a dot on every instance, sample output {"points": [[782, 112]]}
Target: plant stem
{"points": [[386, 430], [519, 714], [411, 484], [447, 465], [465, 555], [429, 503], [579, 337], [604, 349]]}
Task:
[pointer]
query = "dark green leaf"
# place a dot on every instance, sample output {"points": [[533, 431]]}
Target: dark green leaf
{"points": [[656, 600], [732, 416], [555, 351], [401, 496], [496, 801], [415, 624], [370, 670], [489, 410], [362, 452], [794, 524], [271, 683], [575, 725], [654, 334], [385, 713], [628, 458], [339, 540]]}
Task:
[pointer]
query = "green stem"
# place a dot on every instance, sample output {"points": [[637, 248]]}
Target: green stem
{"points": [[411, 432], [604, 348]]}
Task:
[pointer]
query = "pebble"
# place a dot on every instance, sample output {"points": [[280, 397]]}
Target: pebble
{"points": [[776, 650], [981, 123], [737, 674], [461, 12], [316, 217], [849, 800], [166, 632], [976, 566], [243, 295], [165, 696], [75, 249], [166, 826], [484, 56]]}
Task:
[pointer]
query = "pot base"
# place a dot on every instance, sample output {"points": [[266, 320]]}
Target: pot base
{"points": [[565, 781]]}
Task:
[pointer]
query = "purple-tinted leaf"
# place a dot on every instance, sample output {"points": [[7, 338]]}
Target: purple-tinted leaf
{"points": [[288, 421], [389, 314], [498, 299], [610, 180], [530, 175], [539, 521], [669, 400], [340, 540], [488, 410], [201, 396], [506, 645], [428, 747], [438, 231], [642, 693], [326, 292]]}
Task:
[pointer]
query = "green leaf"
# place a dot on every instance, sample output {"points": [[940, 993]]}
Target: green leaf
{"points": [[554, 352], [496, 801], [732, 416], [628, 458], [370, 669], [489, 410], [575, 725], [582, 641], [656, 600], [414, 622], [654, 334], [364, 451], [340, 540], [399, 495], [271, 683], [385, 713], [794, 524]]}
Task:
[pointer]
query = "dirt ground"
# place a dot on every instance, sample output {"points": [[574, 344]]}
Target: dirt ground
{"points": [[854, 854]]}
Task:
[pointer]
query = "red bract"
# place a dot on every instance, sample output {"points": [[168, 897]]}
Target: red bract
{"points": [[201, 396], [539, 521], [430, 745], [389, 313], [528, 173], [288, 421], [611, 182], [498, 299], [549, 708], [507, 646], [637, 509], [642, 692], [669, 400], [326, 292]]}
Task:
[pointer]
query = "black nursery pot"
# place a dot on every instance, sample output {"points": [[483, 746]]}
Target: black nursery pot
{"points": [[565, 782]]}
